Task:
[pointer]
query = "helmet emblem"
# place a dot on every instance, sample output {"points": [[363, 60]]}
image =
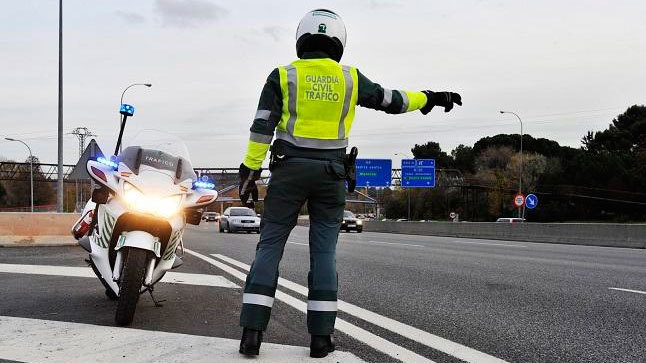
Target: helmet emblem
{"points": [[322, 28]]}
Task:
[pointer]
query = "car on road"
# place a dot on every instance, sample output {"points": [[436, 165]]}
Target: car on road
{"points": [[351, 222], [510, 220], [236, 219], [211, 216]]}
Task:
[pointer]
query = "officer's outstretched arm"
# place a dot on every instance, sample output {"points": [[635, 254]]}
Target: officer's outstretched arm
{"points": [[262, 132], [267, 117], [372, 95]]}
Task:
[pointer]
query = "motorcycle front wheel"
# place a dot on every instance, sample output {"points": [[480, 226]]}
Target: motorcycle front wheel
{"points": [[132, 278]]}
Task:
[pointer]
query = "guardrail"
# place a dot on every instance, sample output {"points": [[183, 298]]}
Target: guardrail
{"points": [[592, 234]]}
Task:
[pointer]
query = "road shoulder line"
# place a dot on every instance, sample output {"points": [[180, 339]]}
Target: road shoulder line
{"points": [[70, 271], [36, 340], [628, 290], [362, 335], [433, 341]]}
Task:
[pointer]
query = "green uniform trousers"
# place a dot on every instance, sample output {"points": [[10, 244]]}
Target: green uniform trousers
{"points": [[294, 182]]}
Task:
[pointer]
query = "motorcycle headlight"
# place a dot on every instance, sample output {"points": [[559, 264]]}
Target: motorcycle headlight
{"points": [[169, 206], [162, 207], [134, 198], [359, 222]]}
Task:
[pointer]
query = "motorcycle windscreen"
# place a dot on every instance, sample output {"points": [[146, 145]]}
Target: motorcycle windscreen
{"points": [[159, 150]]}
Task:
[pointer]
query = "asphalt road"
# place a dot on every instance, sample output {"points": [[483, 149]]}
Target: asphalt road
{"points": [[443, 299], [521, 302]]}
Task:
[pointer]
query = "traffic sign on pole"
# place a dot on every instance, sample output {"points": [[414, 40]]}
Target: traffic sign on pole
{"points": [[519, 200], [418, 173], [531, 201], [374, 172]]}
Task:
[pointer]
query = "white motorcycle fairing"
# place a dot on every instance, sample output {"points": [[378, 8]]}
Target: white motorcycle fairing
{"points": [[148, 194], [108, 215], [139, 239]]}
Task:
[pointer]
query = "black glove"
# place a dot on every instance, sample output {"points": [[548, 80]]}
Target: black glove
{"points": [[248, 186], [444, 99]]}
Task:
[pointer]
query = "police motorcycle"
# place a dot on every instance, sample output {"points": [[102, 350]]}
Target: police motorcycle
{"points": [[133, 225]]}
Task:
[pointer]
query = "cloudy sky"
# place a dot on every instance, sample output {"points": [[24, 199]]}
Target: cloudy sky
{"points": [[565, 66]]}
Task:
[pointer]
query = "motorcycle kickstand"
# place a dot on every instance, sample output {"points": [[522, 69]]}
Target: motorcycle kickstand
{"points": [[158, 303]]}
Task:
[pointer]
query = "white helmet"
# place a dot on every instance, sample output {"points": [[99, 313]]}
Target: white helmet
{"points": [[321, 26]]}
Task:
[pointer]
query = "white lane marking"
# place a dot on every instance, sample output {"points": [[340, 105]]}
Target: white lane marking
{"points": [[35, 340], [482, 243], [359, 334], [389, 243], [448, 242], [170, 277], [297, 243], [627, 290], [433, 341], [198, 279]]}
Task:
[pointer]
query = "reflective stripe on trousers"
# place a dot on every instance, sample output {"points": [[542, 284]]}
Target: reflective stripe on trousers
{"points": [[258, 299], [315, 305]]}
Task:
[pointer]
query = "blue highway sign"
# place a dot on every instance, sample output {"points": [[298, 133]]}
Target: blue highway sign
{"points": [[418, 173], [374, 172], [531, 201]]}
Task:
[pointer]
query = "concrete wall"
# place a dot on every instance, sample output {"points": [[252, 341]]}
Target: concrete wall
{"points": [[36, 229], [593, 234]]}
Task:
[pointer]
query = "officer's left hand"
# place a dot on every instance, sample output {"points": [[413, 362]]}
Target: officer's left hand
{"points": [[247, 185], [444, 99]]}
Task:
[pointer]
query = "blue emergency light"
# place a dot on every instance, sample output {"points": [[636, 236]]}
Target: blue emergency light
{"points": [[204, 183], [111, 163], [127, 110]]}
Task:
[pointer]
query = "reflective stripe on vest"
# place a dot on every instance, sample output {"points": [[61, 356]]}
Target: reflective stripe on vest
{"points": [[319, 98]]}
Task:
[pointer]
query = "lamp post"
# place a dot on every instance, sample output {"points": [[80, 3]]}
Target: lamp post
{"points": [[124, 92], [408, 189], [31, 169], [520, 175], [59, 179]]}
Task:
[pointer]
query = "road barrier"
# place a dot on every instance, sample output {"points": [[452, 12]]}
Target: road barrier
{"points": [[37, 229], [592, 234]]}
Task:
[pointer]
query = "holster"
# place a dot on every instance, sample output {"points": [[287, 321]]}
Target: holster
{"points": [[351, 168], [276, 156]]}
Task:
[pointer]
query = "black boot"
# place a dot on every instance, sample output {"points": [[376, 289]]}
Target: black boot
{"points": [[321, 345], [250, 342]]}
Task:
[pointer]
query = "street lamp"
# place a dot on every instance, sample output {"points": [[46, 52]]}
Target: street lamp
{"points": [[31, 169], [520, 176], [132, 85], [121, 103]]}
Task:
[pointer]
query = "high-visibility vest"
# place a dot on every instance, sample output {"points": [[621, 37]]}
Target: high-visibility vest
{"points": [[319, 97]]}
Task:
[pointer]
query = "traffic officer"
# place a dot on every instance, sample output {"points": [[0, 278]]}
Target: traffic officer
{"points": [[308, 106]]}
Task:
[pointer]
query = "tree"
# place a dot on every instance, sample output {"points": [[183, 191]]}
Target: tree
{"points": [[432, 150], [530, 144], [624, 135], [17, 193], [619, 151], [464, 158], [534, 166]]}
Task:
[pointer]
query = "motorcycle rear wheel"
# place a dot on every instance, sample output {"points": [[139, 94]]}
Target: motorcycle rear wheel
{"points": [[132, 278]]}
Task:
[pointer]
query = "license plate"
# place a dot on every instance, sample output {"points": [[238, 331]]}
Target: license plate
{"points": [[352, 225], [247, 221]]}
